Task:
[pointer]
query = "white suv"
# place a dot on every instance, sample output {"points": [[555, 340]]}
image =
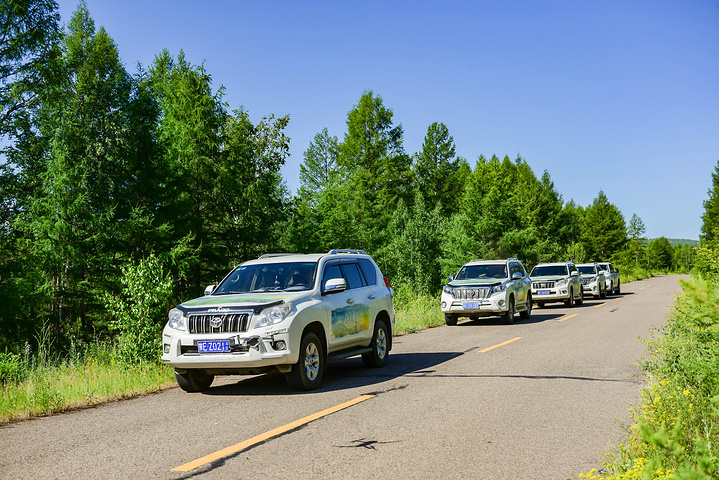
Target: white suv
{"points": [[286, 312], [557, 282], [612, 277], [488, 287], [593, 280]]}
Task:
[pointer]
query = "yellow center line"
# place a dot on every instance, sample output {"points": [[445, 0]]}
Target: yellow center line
{"points": [[225, 452], [500, 344], [567, 317], [600, 305]]}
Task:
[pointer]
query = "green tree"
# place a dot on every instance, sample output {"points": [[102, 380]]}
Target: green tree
{"points": [[436, 170], [710, 218], [319, 168], [660, 254], [30, 31], [604, 231], [635, 234]]}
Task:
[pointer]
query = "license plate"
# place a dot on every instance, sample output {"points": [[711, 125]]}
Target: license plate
{"points": [[471, 306], [214, 346], [544, 292]]}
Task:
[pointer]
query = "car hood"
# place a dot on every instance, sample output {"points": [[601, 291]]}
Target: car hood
{"points": [[475, 282], [249, 301], [548, 278]]}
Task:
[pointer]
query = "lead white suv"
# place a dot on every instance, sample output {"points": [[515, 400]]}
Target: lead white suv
{"points": [[488, 287], [286, 312]]}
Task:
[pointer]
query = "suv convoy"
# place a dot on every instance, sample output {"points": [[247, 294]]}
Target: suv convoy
{"points": [[611, 275], [286, 312], [488, 287], [593, 280], [557, 282]]}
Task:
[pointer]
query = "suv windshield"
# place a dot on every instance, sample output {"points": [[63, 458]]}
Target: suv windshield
{"points": [[270, 277], [482, 271], [588, 269], [548, 270]]}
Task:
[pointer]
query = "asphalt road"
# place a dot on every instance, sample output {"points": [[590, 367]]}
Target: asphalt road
{"points": [[544, 398]]}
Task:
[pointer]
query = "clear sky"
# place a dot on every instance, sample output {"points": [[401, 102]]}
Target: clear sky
{"points": [[613, 95]]}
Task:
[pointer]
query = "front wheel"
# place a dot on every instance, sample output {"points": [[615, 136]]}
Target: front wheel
{"points": [[194, 380], [603, 292], [619, 289], [508, 316], [306, 374], [580, 301], [380, 346], [450, 319], [570, 301], [524, 315]]}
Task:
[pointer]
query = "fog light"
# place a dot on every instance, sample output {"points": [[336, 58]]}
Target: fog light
{"points": [[280, 345], [444, 305], [502, 303], [166, 348]]}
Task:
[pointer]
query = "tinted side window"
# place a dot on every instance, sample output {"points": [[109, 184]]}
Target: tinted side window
{"points": [[333, 271], [572, 268], [370, 273], [353, 275]]}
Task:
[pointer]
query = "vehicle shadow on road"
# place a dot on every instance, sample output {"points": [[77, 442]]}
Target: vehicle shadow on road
{"points": [[495, 321], [339, 375]]}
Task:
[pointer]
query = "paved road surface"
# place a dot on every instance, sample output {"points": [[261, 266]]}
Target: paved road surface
{"points": [[544, 398]]}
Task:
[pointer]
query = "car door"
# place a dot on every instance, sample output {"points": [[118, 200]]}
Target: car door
{"points": [[347, 312]]}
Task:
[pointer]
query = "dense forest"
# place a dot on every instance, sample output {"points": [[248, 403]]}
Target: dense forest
{"points": [[120, 190]]}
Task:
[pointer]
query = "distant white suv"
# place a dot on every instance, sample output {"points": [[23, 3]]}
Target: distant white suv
{"points": [[593, 280], [612, 277], [488, 287], [557, 282], [286, 312]]}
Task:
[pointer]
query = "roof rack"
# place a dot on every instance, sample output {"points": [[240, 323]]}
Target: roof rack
{"points": [[338, 251], [271, 255]]}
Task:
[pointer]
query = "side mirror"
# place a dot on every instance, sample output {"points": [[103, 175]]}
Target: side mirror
{"points": [[574, 273], [516, 276], [334, 285], [451, 277], [209, 290]]}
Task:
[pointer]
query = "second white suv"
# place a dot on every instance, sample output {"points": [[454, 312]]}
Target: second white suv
{"points": [[593, 280], [286, 312], [484, 288], [557, 282]]}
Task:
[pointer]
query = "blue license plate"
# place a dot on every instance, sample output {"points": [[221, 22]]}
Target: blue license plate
{"points": [[470, 306], [544, 292], [214, 346]]}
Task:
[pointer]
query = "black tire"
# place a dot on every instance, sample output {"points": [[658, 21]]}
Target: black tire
{"points": [[526, 314], [581, 297], [306, 374], [194, 380], [508, 316], [380, 346], [570, 301], [450, 319], [540, 304], [619, 288], [603, 292]]}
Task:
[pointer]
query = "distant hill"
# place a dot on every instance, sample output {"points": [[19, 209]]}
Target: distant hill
{"points": [[684, 241]]}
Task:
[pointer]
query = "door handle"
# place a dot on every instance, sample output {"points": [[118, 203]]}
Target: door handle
{"points": [[371, 297], [350, 301]]}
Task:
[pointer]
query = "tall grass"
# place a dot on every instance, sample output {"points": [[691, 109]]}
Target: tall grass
{"points": [[675, 434]]}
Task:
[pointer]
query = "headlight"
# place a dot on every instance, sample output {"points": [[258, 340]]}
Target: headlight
{"points": [[499, 289], [591, 279], [177, 320], [273, 315], [448, 289], [561, 283]]}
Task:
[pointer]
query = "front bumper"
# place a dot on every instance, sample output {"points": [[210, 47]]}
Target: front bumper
{"points": [[550, 294], [592, 289], [250, 350], [493, 305]]}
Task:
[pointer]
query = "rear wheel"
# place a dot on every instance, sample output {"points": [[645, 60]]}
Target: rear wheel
{"points": [[450, 319], [306, 374], [508, 316], [380, 346], [618, 289], [194, 380]]}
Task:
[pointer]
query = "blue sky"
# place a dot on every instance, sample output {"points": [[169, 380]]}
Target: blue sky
{"points": [[619, 96]]}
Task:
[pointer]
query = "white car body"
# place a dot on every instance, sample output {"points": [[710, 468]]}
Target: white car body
{"points": [[557, 282], [263, 326], [485, 288], [612, 278], [593, 280]]}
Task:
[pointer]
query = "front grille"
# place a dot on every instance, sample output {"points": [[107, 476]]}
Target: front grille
{"points": [[219, 323], [471, 293], [586, 281], [543, 285]]}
